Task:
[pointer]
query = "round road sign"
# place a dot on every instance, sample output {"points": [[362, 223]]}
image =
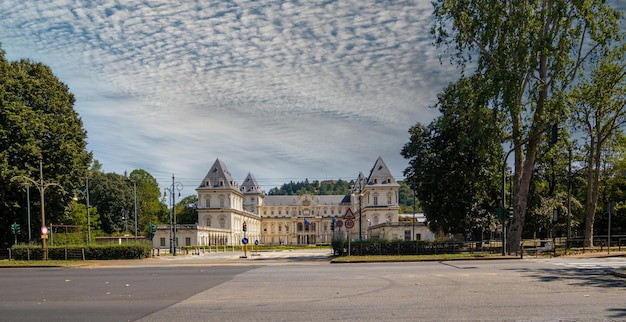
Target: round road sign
{"points": [[44, 230], [339, 223], [244, 241], [349, 223]]}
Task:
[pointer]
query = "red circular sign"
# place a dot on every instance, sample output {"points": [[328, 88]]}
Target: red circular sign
{"points": [[44, 230], [349, 223]]}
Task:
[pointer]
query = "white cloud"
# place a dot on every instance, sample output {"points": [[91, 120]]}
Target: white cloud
{"points": [[285, 90]]}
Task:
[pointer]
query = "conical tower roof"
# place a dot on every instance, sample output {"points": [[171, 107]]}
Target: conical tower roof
{"points": [[380, 174], [250, 185], [219, 177]]}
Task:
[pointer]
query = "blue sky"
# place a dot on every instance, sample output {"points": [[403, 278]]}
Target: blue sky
{"points": [[286, 90]]}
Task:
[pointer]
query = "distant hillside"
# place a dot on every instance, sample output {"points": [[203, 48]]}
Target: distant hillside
{"points": [[326, 187]]}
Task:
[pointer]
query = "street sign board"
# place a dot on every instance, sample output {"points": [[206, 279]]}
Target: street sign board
{"points": [[349, 214], [244, 241], [339, 223], [44, 230], [349, 223]]}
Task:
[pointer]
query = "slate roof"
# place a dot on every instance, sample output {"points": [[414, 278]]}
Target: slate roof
{"points": [[219, 177], [250, 185]]}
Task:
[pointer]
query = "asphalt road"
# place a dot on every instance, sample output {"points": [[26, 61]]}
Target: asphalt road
{"points": [[305, 287]]}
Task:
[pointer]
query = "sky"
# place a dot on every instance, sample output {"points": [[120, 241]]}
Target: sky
{"points": [[286, 90]]}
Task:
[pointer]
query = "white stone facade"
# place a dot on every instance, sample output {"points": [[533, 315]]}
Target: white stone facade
{"points": [[224, 205]]}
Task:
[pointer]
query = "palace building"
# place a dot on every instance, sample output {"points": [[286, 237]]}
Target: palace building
{"points": [[225, 207]]}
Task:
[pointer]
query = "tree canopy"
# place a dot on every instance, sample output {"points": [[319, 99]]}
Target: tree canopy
{"points": [[37, 121], [454, 161], [530, 52]]}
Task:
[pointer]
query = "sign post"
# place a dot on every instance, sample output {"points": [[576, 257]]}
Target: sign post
{"points": [[244, 241], [349, 222]]}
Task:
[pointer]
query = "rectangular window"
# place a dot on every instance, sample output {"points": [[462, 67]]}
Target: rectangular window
{"points": [[162, 242], [208, 203], [418, 236], [375, 201], [221, 203], [187, 241], [407, 235]]}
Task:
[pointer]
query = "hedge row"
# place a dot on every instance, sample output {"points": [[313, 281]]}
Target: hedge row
{"points": [[92, 252], [384, 247]]}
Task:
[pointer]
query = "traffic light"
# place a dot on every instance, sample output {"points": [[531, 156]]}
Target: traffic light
{"points": [[245, 226], [332, 226], [151, 230], [554, 138], [15, 228]]}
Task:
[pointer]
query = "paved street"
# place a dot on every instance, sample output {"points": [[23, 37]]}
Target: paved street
{"points": [[303, 286]]}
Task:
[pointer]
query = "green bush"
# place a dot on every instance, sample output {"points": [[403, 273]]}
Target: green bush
{"points": [[396, 247], [91, 252]]}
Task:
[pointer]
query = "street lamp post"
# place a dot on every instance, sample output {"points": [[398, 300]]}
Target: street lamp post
{"points": [[27, 185], [42, 186], [176, 186], [85, 195], [135, 205], [414, 211], [360, 210]]}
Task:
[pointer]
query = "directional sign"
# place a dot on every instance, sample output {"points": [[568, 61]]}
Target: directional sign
{"points": [[244, 241], [256, 242], [349, 214], [349, 223]]}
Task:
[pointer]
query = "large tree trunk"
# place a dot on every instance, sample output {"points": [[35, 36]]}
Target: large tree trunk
{"points": [[593, 185], [522, 187], [524, 165]]}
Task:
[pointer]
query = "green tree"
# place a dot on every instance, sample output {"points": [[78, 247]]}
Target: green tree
{"points": [[454, 162], [407, 199], [111, 194], [187, 210], [149, 207], [37, 120], [529, 52], [599, 106]]}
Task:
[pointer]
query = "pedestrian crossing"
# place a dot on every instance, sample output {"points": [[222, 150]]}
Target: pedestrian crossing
{"points": [[589, 263]]}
